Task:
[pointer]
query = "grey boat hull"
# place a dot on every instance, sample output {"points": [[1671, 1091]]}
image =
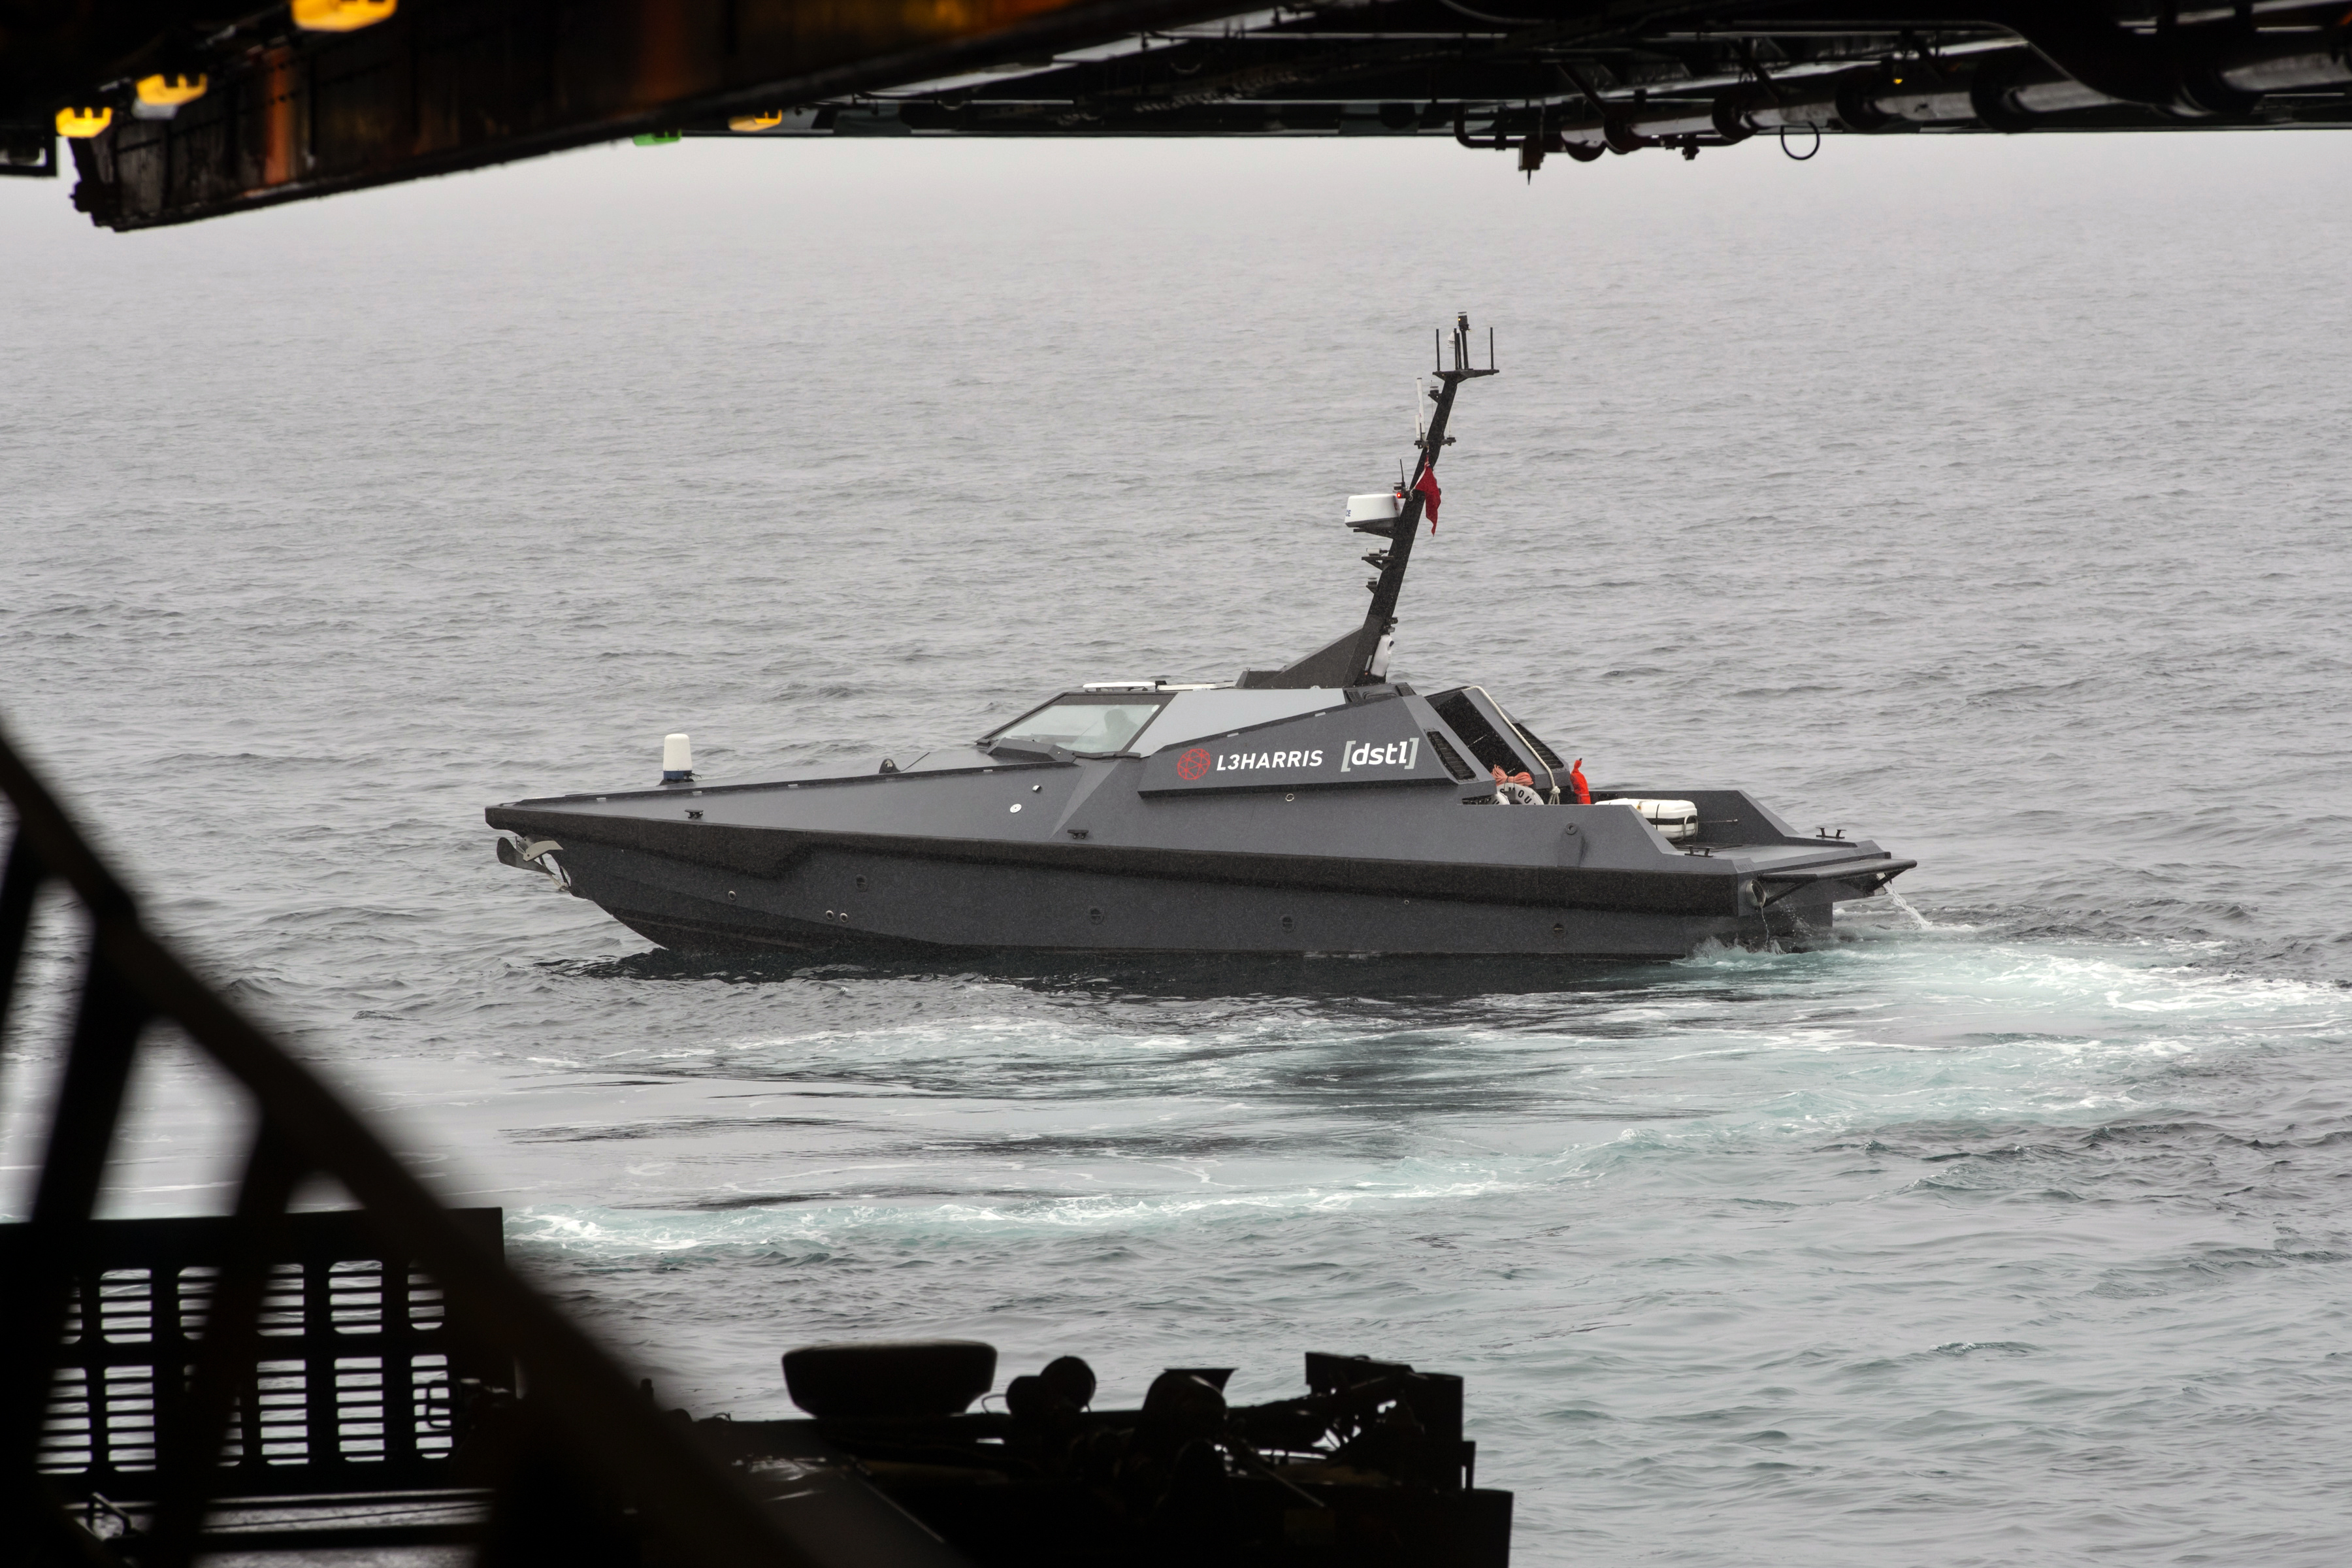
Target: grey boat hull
{"points": [[950, 905], [969, 850]]}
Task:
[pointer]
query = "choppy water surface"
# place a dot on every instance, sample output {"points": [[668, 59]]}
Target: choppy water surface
{"points": [[1986, 498]]}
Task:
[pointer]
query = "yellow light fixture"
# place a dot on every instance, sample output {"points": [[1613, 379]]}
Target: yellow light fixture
{"points": [[755, 121], [171, 91], [341, 15], [81, 124]]}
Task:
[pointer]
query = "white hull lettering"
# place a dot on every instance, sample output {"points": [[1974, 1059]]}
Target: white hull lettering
{"points": [[1394, 754], [1234, 762]]}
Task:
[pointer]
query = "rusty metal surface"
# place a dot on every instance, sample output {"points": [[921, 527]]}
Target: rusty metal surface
{"points": [[1590, 77], [448, 85]]}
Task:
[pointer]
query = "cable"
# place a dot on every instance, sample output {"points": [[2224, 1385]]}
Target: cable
{"points": [[1499, 21]]}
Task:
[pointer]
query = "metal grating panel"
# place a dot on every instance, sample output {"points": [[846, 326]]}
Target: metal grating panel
{"points": [[360, 1380]]}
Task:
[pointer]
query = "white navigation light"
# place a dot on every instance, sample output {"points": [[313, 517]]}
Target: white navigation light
{"points": [[678, 758], [1381, 508]]}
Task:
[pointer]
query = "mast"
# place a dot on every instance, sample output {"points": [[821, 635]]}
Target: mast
{"points": [[1381, 617], [1350, 659]]}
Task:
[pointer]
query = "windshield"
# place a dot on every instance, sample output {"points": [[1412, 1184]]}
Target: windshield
{"points": [[1078, 725]]}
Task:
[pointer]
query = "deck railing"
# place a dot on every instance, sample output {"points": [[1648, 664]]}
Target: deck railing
{"points": [[587, 1430]]}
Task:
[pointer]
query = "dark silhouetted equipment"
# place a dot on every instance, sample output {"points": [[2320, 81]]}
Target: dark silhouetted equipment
{"points": [[1369, 1465], [910, 1378]]}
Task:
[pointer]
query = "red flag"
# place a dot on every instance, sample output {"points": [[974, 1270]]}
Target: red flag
{"points": [[1427, 486]]}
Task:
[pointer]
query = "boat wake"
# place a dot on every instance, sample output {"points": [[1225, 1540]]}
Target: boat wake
{"points": [[1918, 921]]}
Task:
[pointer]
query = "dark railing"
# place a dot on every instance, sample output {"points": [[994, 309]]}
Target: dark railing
{"points": [[584, 1430]]}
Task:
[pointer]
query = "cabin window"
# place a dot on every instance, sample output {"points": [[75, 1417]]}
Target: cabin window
{"points": [[1078, 725], [1491, 750]]}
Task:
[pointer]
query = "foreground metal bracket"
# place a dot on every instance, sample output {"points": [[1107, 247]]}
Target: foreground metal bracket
{"points": [[584, 1430]]}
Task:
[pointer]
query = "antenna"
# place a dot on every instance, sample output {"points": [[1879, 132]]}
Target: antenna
{"points": [[1380, 617], [1361, 658]]}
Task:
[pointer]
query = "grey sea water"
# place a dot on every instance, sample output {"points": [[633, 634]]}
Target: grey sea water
{"points": [[1986, 498]]}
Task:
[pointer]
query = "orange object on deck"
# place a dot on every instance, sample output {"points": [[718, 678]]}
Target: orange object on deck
{"points": [[1576, 782]]}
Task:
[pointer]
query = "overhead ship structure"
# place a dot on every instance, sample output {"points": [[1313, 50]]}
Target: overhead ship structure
{"points": [[175, 110]]}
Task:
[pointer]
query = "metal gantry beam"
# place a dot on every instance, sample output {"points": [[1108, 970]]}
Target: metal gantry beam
{"points": [[1589, 80], [451, 84]]}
